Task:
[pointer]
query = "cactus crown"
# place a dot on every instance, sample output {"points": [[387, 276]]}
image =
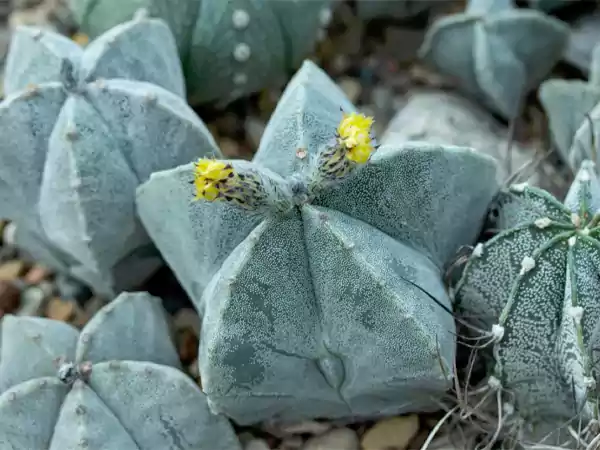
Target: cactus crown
{"points": [[352, 147]]}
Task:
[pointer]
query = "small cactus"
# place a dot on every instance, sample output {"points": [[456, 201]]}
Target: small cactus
{"points": [[495, 52], [317, 266], [535, 286], [573, 109], [81, 129], [228, 48], [114, 385]]}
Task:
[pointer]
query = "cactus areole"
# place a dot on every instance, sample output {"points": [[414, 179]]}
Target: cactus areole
{"points": [[317, 266], [536, 287]]}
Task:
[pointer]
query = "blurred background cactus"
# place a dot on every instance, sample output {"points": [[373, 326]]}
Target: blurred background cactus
{"points": [[228, 48]]}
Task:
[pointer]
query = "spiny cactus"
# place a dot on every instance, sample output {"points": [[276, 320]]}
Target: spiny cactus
{"points": [[228, 48], [536, 287], [496, 52], [573, 109], [114, 385], [316, 267], [80, 131]]}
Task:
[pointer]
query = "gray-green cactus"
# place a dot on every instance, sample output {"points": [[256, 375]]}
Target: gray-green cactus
{"points": [[229, 48], [573, 109], [495, 52], [318, 278], [80, 131], [114, 385], [536, 287]]}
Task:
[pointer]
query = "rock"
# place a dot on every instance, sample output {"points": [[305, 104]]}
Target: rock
{"points": [[291, 443], [187, 345], [306, 427], [394, 433], [446, 118], [36, 274], [257, 444], [33, 299], [351, 88], [9, 231], [10, 297], [338, 439], [11, 270], [585, 34], [230, 148], [187, 318], [59, 309]]}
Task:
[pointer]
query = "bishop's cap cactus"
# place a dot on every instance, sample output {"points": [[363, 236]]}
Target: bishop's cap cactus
{"points": [[81, 130], [535, 286], [115, 384], [317, 266]]}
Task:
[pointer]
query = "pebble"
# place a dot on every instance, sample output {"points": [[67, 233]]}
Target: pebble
{"points": [[306, 427], [255, 128], [257, 444], [10, 298], [36, 274], [33, 299], [187, 345], [59, 309], [11, 270], [338, 439], [291, 443], [393, 433]]}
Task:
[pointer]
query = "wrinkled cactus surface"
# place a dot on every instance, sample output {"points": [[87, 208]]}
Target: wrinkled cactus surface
{"points": [[316, 267], [229, 48], [81, 129], [495, 52], [536, 287], [573, 109], [114, 385]]}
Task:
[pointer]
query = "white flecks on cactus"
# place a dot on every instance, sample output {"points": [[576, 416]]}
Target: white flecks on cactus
{"points": [[71, 392], [497, 332], [280, 33], [549, 315], [242, 52], [92, 128], [320, 250], [543, 222], [240, 19]]}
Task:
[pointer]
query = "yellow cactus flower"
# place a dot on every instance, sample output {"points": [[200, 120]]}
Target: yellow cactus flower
{"points": [[354, 133], [81, 39]]}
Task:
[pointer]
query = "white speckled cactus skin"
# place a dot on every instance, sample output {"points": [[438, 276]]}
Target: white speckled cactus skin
{"points": [[229, 48], [536, 286], [495, 52], [567, 102], [80, 131], [331, 309], [114, 385]]}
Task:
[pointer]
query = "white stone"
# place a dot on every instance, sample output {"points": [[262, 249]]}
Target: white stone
{"points": [[395, 432], [256, 444], [497, 332], [9, 233], [338, 439], [478, 250], [527, 264], [325, 17], [542, 223]]}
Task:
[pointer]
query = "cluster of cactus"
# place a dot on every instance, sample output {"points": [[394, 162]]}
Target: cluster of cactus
{"points": [[535, 287], [62, 388], [319, 250], [573, 109], [495, 52], [81, 129], [228, 48]]}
